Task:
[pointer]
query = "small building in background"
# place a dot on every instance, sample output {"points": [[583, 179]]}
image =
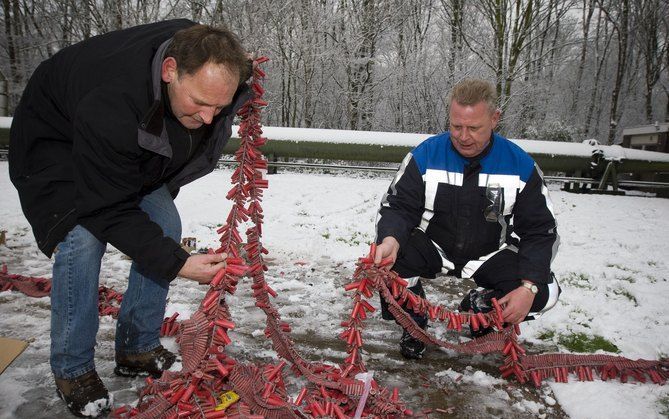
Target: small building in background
{"points": [[647, 137]]}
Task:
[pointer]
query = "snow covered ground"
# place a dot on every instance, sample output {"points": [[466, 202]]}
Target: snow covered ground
{"points": [[612, 265]]}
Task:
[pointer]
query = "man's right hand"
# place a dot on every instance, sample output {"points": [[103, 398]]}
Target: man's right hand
{"points": [[388, 247], [202, 268]]}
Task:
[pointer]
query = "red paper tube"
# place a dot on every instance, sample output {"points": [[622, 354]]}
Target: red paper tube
{"points": [[474, 322], [338, 412], [356, 309], [386, 261], [217, 278], [535, 378], [269, 387], [395, 396], [215, 414], [275, 401], [276, 371], [372, 251], [231, 192], [221, 368], [220, 332], [317, 407], [300, 396], [432, 312], [351, 337], [351, 286], [177, 396], [394, 290], [225, 323], [259, 102], [174, 329], [271, 291], [367, 306], [482, 320], [183, 413], [400, 281], [210, 299], [236, 270], [358, 338]]}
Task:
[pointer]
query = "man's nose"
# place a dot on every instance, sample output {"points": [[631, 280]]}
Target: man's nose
{"points": [[207, 115]]}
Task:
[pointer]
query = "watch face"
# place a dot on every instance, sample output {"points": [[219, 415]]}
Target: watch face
{"points": [[533, 288]]}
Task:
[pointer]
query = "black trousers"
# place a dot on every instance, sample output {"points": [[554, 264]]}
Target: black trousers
{"points": [[420, 258]]}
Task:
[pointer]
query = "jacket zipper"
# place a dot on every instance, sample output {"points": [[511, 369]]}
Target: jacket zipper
{"points": [[190, 145]]}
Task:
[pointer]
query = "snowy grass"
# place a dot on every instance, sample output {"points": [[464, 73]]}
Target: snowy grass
{"points": [[612, 266]]}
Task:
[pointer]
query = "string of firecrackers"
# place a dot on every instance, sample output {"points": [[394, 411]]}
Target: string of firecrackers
{"points": [[207, 370], [109, 301], [28, 285], [503, 339]]}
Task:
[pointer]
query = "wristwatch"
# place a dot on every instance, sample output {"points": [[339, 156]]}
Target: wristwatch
{"points": [[530, 286]]}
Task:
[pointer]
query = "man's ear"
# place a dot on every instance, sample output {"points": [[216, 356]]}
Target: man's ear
{"points": [[495, 117], [169, 70]]}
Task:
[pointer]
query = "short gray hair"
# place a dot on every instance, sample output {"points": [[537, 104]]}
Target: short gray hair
{"points": [[469, 92]]}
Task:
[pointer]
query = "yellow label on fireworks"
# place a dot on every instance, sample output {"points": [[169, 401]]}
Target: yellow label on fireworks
{"points": [[227, 399]]}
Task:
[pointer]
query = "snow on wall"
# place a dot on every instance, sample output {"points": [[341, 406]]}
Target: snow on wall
{"points": [[554, 148]]}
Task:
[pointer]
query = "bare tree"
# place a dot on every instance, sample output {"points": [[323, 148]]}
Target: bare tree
{"points": [[618, 14], [650, 18]]}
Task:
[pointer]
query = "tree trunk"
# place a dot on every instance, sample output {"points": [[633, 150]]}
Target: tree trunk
{"points": [[622, 26]]}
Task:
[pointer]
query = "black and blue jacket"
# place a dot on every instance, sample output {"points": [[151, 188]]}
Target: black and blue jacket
{"points": [[473, 207]]}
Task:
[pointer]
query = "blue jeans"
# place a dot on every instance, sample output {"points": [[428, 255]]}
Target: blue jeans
{"points": [[74, 296]]}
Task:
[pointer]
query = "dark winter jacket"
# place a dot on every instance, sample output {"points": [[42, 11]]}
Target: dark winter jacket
{"points": [[449, 197], [88, 141]]}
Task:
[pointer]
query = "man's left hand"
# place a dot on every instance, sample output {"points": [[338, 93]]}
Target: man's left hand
{"points": [[516, 305]]}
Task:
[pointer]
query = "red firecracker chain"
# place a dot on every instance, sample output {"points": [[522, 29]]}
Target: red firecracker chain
{"points": [[332, 391], [534, 368], [207, 370]]}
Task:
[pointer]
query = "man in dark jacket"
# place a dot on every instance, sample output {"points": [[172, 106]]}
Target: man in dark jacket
{"points": [[106, 133], [470, 203]]}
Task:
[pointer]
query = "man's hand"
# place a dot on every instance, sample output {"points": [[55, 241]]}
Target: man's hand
{"points": [[202, 268], [516, 305], [388, 247]]}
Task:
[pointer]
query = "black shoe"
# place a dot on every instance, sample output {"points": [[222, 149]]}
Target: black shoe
{"points": [[410, 347], [151, 363], [479, 301], [85, 396]]}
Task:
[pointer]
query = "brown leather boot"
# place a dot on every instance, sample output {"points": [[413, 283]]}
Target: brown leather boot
{"points": [[152, 363], [85, 396]]}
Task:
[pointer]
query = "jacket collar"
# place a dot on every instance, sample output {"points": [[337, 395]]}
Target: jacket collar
{"points": [[152, 134]]}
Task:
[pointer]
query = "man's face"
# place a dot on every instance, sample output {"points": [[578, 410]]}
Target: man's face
{"points": [[197, 98], [471, 127]]}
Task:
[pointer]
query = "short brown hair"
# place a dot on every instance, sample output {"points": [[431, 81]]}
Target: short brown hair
{"points": [[469, 92], [200, 44]]}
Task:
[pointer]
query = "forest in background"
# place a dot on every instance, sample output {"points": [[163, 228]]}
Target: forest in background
{"points": [[565, 70]]}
